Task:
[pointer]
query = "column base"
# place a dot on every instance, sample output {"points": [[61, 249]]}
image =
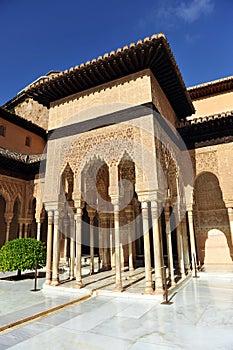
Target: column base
{"points": [[131, 269], [48, 282], [118, 289], [148, 291], [79, 285], [54, 283], [71, 278], [159, 291]]}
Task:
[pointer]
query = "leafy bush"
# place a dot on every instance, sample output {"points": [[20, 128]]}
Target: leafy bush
{"points": [[22, 254]]}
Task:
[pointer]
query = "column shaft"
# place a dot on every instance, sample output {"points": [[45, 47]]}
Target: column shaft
{"points": [[192, 237], [78, 230], [117, 248], [230, 215], [49, 247], [180, 250], [38, 230], [169, 246], [72, 246], [147, 256], [56, 244], [157, 246]]}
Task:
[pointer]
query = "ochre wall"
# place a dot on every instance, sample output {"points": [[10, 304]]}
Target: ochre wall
{"points": [[14, 139], [213, 104]]}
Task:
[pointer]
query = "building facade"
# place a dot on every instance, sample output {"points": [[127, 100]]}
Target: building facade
{"points": [[138, 168]]}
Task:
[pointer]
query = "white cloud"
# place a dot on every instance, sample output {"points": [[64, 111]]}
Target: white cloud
{"points": [[191, 11], [169, 12]]}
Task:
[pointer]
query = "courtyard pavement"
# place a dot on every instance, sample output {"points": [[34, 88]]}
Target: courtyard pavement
{"points": [[200, 317]]}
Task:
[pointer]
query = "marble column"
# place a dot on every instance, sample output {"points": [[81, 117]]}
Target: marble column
{"points": [[192, 237], [101, 241], [72, 246], [157, 246], [129, 215], [180, 251], [186, 245], [169, 245], [56, 244], [38, 224], [91, 214], [78, 236], [20, 229], [147, 257], [49, 247], [8, 225], [118, 286], [66, 230], [112, 240], [230, 215]]}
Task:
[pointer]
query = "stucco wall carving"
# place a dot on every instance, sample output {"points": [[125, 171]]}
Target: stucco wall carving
{"points": [[206, 161], [34, 112]]}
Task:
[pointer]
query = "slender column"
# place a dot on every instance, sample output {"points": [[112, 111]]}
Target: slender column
{"points": [[147, 257], [104, 229], [72, 246], [180, 250], [91, 214], [38, 230], [92, 265], [230, 215], [157, 246], [112, 240], [26, 226], [56, 243], [66, 227], [49, 247], [101, 242], [192, 237], [169, 246], [118, 286], [20, 229], [78, 231], [185, 244], [8, 225], [128, 212]]}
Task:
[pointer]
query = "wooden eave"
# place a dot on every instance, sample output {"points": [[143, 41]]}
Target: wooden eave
{"points": [[216, 127], [211, 88], [153, 53]]}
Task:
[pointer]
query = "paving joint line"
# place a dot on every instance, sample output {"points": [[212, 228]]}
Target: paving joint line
{"points": [[38, 315]]}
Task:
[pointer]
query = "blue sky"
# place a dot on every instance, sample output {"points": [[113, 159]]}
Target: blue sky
{"points": [[43, 35]]}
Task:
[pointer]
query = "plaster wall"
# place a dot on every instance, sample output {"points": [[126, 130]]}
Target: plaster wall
{"points": [[15, 137], [213, 104]]}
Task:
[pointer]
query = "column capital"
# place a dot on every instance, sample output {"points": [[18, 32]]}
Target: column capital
{"points": [[144, 205], [79, 213]]}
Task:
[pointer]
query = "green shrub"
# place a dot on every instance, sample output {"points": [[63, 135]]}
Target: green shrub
{"points": [[22, 254]]}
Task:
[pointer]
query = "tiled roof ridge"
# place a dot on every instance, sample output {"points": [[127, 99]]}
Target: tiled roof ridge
{"points": [[22, 157], [210, 83], [207, 118]]}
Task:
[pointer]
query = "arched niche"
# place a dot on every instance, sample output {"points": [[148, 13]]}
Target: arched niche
{"points": [[210, 216]]}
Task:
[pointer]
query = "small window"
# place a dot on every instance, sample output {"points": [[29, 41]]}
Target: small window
{"points": [[2, 130], [28, 141]]}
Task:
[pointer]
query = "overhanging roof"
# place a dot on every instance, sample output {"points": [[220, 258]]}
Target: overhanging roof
{"points": [[211, 88], [153, 53]]}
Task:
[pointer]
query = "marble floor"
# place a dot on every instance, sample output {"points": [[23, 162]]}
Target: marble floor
{"points": [[200, 317]]}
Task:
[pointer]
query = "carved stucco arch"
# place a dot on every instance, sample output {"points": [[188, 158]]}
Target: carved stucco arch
{"points": [[109, 145]]}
